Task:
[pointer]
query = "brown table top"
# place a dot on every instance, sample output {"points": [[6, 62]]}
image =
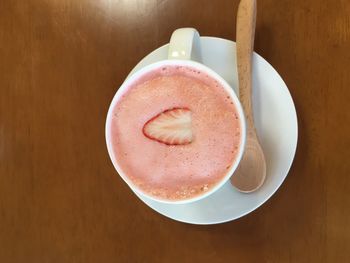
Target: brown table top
{"points": [[60, 198]]}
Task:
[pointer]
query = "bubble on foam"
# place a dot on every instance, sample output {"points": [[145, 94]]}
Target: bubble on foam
{"points": [[155, 193], [204, 188]]}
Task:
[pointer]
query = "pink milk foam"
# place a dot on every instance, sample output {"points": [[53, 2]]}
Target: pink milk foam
{"points": [[181, 171]]}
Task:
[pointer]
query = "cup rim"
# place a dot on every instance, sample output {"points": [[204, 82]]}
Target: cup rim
{"points": [[124, 87]]}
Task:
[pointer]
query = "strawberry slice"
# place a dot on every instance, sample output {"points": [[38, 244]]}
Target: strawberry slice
{"points": [[171, 127]]}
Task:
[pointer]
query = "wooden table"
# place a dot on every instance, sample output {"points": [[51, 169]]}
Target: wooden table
{"points": [[61, 61]]}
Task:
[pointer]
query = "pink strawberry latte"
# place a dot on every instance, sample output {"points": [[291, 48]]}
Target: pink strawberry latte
{"points": [[192, 158]]}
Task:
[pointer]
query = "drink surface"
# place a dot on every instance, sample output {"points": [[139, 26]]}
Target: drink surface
{"points": [[175, 171]]}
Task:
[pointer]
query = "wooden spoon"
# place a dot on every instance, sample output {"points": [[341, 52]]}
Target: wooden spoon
{"points": [[251, 171]]}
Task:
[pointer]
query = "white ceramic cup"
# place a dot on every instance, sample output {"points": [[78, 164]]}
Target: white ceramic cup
{"points": [[184, 50]]}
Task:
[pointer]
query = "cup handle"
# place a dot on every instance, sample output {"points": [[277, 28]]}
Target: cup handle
{"points": [[185, 45]]}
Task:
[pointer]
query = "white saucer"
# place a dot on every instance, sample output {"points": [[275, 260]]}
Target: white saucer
{"points": [[276, 124]]}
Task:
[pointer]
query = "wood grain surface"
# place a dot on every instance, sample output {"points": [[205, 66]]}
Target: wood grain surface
{"points": [[61, 62]]}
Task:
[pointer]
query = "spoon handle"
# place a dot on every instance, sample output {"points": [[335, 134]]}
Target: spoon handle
{"points": [[246, 18]]}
